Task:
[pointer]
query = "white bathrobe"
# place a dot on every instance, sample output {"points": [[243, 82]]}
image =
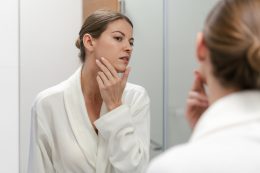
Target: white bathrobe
{"points": [[225, 140], [64, 141]]}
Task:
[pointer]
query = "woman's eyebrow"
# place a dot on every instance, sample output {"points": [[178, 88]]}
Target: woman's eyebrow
{"points": [[119, 32], [132, 39]]}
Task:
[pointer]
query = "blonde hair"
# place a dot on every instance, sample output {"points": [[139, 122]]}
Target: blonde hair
{"points": [[232, 34]]}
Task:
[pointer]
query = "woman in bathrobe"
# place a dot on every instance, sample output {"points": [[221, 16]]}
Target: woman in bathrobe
{"points": [[94, 122], [226, 118]]}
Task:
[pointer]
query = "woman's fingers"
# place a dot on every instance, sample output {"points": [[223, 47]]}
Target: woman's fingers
{"points": [[105, 70], [198, 84], [198, 96], [197, 103], [110, 72], [100, 82], [104, 78], [109, 67]]}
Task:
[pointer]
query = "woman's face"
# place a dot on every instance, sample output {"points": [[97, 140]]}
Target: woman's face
{"points": [[115, 44]]}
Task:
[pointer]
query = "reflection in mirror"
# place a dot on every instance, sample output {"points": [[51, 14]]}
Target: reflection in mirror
{"points": [[48, 56], [103, 118]]}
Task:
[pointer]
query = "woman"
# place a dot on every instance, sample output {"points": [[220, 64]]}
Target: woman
{"points": [[95, 121], [226, 118]]}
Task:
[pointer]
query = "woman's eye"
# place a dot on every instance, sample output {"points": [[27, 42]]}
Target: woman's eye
{"points": [[118, 38]]}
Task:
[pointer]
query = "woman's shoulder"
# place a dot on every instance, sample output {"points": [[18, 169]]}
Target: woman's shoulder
{"points": [[57, 91], [49, 94], [176, 158]]}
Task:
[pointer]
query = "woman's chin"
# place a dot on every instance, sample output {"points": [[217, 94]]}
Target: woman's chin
{"points": [[120, 69]]}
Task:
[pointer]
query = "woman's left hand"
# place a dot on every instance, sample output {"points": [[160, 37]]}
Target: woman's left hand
{"points": [[197, 101], [111, 85]]}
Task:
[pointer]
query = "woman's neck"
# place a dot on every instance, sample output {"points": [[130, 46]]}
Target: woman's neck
{"points": [[217, 91], [89, 83]]}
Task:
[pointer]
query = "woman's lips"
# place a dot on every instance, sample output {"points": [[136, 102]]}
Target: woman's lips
{"points": [[125, 59]]}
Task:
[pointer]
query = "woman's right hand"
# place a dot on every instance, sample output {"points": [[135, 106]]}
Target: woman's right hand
{"points": [[197, 101], [111, 85]]}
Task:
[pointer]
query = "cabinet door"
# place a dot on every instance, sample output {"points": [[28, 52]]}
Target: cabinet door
{"points": [[91, 5]]}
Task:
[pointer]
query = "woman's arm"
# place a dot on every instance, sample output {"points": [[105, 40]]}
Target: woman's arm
{"points": [[40, 160], [126, 129]]}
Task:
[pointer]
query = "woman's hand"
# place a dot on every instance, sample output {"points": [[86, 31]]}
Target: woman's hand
{"points": [[111, 86], [197, 101]]}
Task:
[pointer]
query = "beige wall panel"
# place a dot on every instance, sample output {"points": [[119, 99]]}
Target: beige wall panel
{"points": [[90, 6]]}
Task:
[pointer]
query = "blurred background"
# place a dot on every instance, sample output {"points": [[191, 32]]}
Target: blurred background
{"points": [[37, 51]]}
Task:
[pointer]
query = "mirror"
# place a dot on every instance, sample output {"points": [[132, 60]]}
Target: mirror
{"points": [[48, 30], [164, 31]]}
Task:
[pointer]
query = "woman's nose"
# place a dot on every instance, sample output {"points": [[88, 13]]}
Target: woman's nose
{"points": [[128, 47]]}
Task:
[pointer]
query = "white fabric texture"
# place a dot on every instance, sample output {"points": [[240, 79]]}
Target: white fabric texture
{"points": [[64, 141], [225, 140]]}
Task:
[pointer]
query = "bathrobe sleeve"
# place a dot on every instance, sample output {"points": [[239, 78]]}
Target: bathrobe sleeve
{"points": [[126, 130], [40, 160]]}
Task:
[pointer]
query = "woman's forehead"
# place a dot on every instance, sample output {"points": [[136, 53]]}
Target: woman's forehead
{"points": [[120, 25]]}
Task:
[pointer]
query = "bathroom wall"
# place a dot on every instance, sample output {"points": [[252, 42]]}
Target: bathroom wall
{"points": [[9, 67], [48, 31]]}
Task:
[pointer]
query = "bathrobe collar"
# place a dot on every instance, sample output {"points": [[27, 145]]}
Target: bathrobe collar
{"points": [[82, 128], [232, 110]]}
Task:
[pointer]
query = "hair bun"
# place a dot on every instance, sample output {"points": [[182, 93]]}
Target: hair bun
{"points": [[77, 43], [254, 55]]}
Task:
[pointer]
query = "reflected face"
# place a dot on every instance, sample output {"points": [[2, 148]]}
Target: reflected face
{"points": [[115, 44]]}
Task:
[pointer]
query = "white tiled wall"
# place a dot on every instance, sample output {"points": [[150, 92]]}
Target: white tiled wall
{"points": [[9, 116]]}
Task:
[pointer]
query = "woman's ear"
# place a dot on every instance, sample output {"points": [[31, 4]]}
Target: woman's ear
{"points": [[201, 48], [88, 42]]}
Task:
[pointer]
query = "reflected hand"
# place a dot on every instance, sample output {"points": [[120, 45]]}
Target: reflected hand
{"points": [[197, 101], [111, 85]]}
